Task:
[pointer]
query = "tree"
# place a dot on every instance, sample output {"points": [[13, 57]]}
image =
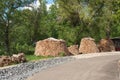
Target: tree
{"points": [[7, 10], [116, 19], [69, 11], [94, 18], [102, 15]]}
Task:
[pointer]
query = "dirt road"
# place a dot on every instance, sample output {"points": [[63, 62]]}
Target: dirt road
{"points": [[96, 68]]}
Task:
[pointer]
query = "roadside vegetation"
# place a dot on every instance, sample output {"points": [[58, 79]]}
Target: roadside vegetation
{"points": [[22, 24], [35, 58]]}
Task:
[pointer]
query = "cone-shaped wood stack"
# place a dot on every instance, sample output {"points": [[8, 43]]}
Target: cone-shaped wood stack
{"points": [[88, 45], [106, 45], [51, 47]]}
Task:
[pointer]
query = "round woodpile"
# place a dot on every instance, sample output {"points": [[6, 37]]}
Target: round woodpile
{"points": [[5, 61], [19, 58], [74, 49], [51, 47], [15, 58], [106, 45], [88, 45]]}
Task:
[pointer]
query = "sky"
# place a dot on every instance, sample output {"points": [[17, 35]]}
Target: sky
{"points": [[36, 4], [50, 1]]}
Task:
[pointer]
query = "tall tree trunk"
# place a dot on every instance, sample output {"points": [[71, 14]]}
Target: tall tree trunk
{"points": [[35, 33], [7, 41], [36, 27], [108, 32]]}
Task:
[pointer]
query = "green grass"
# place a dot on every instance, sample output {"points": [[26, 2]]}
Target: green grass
{"points": [[34, 58]]}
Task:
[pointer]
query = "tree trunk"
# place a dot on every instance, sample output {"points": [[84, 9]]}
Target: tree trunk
{"points": [[36, 26], [108, 32], [7, 41]]}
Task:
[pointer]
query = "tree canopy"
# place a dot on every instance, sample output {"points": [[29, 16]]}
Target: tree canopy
{"points": [[21, 28]]}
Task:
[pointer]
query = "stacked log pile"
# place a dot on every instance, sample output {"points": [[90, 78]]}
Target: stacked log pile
{"points": [[106, 45], [74, 49], [5, 61], [51, 47], [88, 45], [19, 58], [8, 60]]}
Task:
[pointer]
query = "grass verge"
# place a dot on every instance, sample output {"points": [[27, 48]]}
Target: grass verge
{"points": [[34, 58]]}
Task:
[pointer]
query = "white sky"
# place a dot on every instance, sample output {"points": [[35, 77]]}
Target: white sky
{"points": [[37, 4]]}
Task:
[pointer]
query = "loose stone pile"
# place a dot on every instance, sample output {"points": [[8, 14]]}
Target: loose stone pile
{"points": [[22, 71]]}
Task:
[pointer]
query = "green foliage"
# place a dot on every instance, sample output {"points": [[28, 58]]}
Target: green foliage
{"points": [[7, 11], [70, 20], [34, 58], [61, 54], [25, 48]]}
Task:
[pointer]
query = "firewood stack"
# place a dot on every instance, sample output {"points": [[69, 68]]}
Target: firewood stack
{"points": [[15, 58], [106, 45], [88, 45]]}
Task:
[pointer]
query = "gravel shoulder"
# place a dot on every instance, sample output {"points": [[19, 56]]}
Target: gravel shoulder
{"points": [[24, 70]]}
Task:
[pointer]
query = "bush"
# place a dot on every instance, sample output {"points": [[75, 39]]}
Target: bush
{"points": [[25, 48], [61, 54], [33, 57]]}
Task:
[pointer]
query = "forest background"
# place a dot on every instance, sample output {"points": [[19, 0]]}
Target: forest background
{"points": [[23, 23]]}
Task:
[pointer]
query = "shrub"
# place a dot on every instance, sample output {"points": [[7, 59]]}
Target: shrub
{"points": [[61, 54]]}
